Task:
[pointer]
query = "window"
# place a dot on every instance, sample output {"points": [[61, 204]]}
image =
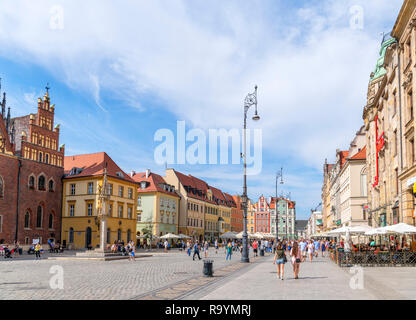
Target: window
{"points": [[110, 210], [89, 209], [129, 211], [72, 189], [50, 224], [41, 183], [364, 183], [128, 235], [410, 105], [32, 182], [27, 220], [39, 217], [120, 191], [139, 218], [71, 210], [108, 235], [1, 187], [396, 176], [110, 189], [90, 187], [412, 151], [119, 234], [130, 193], [40, 157], [120, 211], [71, 235], [139, 201], [395, 142], [51, 185]]}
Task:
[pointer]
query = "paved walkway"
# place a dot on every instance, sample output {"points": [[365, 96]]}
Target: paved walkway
{"points": [[319, 280]]}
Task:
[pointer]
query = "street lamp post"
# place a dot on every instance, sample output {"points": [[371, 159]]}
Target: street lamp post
{"points": [[250, 100], [278, 175]]}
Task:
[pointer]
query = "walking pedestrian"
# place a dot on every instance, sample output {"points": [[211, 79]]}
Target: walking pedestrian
{"points": [[196, 250], [303, 248], [131, 252], [255, 246], [316, 249], [280, 259], [188, 247], [311, 248], [229, 250], [323, 247], [206, 246], [296, 259], [216, 246], [37, 250]]}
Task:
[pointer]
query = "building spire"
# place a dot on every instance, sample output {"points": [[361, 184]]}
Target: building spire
{"points": [[3, 106], [8, 120]]}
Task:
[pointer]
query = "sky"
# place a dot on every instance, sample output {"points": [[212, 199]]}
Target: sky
{"points": [[119, 71]]}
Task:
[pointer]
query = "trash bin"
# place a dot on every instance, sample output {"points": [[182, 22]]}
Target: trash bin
{"points": [[207, 271], [20, 251], [261, 252]]}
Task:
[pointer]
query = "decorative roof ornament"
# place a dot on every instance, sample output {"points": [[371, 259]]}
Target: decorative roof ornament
{"points": [[380, 70]]}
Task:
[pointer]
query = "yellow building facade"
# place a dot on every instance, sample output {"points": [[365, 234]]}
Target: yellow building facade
{"points": [[82, 206]]}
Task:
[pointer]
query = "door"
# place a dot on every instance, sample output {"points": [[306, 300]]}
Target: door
{"points": [[88, 237]]}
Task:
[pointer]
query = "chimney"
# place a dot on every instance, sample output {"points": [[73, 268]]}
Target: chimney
{"points": [[132, 174], [147, 173]]}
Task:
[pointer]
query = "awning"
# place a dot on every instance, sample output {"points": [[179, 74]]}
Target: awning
{"points": [[411, 182], [396, 204]]}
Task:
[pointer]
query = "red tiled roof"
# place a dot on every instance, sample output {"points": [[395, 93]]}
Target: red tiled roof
{"points": [[154, 181], [194, 183], [230, 200], [343, 155], [361, 155], [93, 165]]}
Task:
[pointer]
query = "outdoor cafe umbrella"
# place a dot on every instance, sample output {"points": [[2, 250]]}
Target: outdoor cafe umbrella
{"points": [[258, 235], [229, 235], [170, 236], [401, 228], [240, 235], [375, 232], [184, 236]]}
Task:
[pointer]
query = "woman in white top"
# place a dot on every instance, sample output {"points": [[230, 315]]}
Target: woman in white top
{"points": [[311, 249]]}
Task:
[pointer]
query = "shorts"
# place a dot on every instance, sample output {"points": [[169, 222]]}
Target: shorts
{"points": [[255, 250], [280, 261], [304, 253], [132, 254]]}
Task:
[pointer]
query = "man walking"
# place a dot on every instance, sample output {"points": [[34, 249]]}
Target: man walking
{"points": [[196, 250]]}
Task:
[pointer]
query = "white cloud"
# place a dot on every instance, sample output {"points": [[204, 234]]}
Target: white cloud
{"points": [[202, 58]]}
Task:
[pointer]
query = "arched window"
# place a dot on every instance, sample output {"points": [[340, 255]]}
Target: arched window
{"points": [[41, 183], [27, 220], [363, 181], [40, 157], [128, 235], [39, 217], [50, 224], [46, 158], [51, 185], [71, 235], [119, 234], [1, 187], [32, 182]]}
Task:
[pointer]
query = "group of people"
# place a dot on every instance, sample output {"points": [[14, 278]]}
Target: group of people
{"points": [[125, 249], [299, 251]]}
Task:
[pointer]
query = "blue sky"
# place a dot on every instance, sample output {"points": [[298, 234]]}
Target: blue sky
{"points": [[119, 71]]}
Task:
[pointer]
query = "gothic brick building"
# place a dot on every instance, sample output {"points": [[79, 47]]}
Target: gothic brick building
{"points": [[31, 171]]}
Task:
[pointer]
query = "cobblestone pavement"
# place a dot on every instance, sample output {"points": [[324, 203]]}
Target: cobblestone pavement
{"points": [[175, 276], [320, 280], [26, 278]]}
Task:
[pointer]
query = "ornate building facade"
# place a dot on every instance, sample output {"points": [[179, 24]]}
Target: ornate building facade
{"points": [[31, 170]]}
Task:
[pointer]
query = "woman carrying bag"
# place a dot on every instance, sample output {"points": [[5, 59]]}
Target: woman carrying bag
{"points": [[280, 259], [296, 259]]}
